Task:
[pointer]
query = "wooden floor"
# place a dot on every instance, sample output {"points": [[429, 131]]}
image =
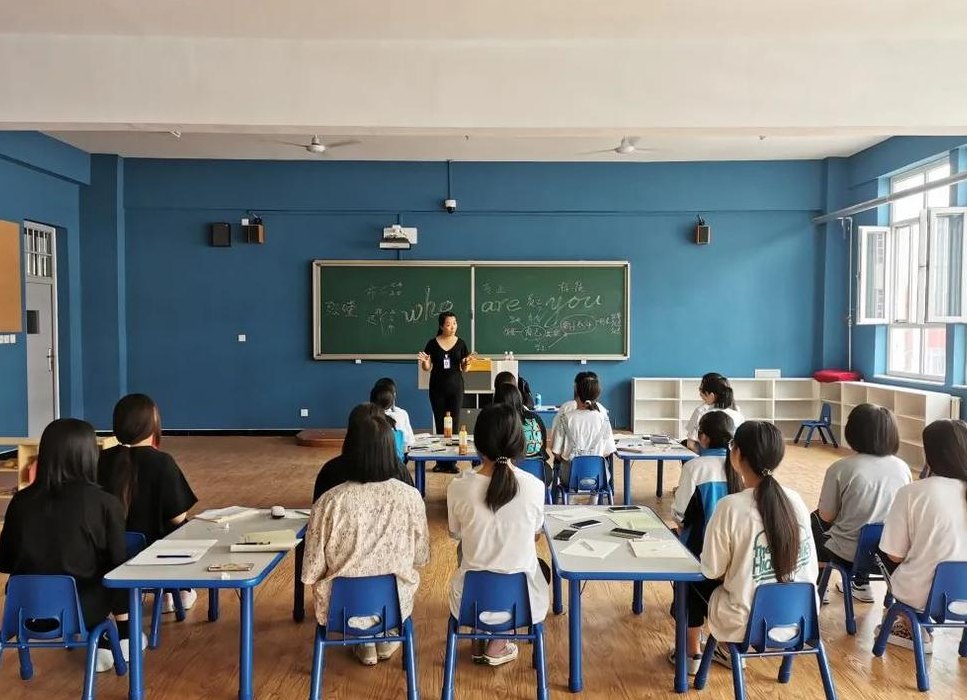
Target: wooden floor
{"points": [[624, 655]]}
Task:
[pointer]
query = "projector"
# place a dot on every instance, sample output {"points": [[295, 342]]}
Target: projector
{"points": [[397, 237]]}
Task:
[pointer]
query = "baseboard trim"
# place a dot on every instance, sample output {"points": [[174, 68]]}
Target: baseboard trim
{"points": [[289, 432]]}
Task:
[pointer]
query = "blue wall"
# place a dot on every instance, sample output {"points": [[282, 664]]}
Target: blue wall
{"points": [[751, 299]]}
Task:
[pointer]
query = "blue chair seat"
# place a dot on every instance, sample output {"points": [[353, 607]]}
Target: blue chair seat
{"points": [[782, 622], [53, 598], [946, 607], [864, 562]]}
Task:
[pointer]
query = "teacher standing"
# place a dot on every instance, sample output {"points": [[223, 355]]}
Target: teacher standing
{"points": [[446, 357]]}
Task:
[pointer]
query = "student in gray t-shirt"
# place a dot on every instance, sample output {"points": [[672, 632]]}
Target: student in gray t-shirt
{"points": [[858, 490]]}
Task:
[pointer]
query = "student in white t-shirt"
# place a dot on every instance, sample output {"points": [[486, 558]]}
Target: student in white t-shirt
{"points": [[583, 431], [927, 523], [383, 394], [571, 405], [760, 535], [497, 513], [859, 489], [716, 393]]}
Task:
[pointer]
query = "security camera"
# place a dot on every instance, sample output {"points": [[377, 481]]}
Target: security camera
{"points": [[450, 205]]}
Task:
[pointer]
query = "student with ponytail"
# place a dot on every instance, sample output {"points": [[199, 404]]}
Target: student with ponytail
{"points": [[927, 523], [154, 492], [496, 513], [759, 535], [584, 431], [716, 394]]}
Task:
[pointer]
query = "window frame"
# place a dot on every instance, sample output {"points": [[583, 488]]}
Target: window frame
{"points": [[931, 215], [922, 376]]}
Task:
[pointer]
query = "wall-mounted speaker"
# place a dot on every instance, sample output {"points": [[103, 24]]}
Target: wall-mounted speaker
{"points": [[254, 233], [703, 234], [221, 234]]}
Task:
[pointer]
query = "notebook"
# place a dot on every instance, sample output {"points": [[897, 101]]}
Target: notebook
{"points": [[269, 541], [594, 549], [649, 548]]}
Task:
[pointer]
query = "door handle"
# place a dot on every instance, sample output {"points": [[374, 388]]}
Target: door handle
{"points": [[50, 360]]}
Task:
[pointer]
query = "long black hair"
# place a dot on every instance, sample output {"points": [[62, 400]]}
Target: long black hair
{"points": [[945, 447], [136, 418], [499, 436], [370, 446], [718, 427], [587, 392], [68, 453], [762, 448], [508, 394], [714, 383]]}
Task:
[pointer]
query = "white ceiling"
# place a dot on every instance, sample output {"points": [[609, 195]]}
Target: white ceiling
{"points": [[526, 80]]}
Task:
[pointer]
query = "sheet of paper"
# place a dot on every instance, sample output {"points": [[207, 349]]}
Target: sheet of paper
{"points": [[657, 549], [571, 514], [595, 549], [224, 515], [637, 520], [165, 552]]}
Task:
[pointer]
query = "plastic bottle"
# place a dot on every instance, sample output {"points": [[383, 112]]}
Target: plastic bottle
{"points": [[462, 444], [511, 355], [448, 425], [537, 401]]}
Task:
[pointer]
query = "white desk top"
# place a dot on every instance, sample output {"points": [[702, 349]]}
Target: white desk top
{"points": [[196, 574], [439, 449], [636, 448], [621, 564]]}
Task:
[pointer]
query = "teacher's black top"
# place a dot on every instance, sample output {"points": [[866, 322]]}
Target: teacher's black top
{"points": [[446, 363]]}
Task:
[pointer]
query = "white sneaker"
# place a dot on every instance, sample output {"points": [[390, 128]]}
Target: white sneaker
{"points": [[366, 653], [385, 650], [188, 599], [103, 660], [126, 652], [722, 656], [691, 663], [902, 637], [864, 594]]}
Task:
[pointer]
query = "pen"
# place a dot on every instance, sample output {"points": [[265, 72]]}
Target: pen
{"points": [[173, 556], [251, 543], [587, 545]]}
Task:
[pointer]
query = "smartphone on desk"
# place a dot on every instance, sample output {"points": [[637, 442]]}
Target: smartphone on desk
{"points": [[565, 535], [622, 509], [626, 533], [232, 567], [580, 525]]}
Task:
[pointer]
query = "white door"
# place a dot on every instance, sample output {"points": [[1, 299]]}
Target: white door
{"points": [[41, 328]]}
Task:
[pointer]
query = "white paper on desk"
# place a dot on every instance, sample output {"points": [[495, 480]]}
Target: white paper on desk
{"points": [[657, 549], [174, 552], [637, 520], [595, 549], [569, 514], [224, 515]]}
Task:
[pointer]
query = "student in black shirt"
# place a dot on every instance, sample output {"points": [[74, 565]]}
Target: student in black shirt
{"points": [[155, 494], [64, 523]]}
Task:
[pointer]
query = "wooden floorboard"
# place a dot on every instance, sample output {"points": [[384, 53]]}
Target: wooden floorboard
{"points": [[624, 655]]}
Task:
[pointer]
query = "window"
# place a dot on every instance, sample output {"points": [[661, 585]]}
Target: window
{"points": [[38, 250]]}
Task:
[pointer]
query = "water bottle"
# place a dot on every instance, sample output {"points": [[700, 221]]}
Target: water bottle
{"points": [[462, 446], [537, 401], [447, 425], [511, 355]]}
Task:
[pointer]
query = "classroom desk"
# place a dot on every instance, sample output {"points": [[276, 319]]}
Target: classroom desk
{"points": [[436, 451], [620, 565], [138, 578], [630, 450], [547, 414]]}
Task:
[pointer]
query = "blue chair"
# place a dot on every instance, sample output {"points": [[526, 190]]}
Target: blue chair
{"points": [[824, 425], [946, 607], [589, 475], [535, 466], [53, 598], [134, 542], [864, 562], [364, 596], [483, 592], [783, 622]]}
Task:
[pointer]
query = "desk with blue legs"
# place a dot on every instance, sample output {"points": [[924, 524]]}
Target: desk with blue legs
{"points": [[676, 565], [195, 575], [436, 451], [630, 450]]}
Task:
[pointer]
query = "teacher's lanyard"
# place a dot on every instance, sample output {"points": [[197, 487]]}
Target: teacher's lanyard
{"points": [[446, 360]]}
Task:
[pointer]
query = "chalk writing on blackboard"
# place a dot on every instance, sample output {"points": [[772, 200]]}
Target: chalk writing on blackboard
{"points": [[389, 310]]}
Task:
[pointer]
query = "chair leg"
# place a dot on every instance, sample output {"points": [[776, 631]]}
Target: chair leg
{"points": [[89, 664], [26, 666], [409, 660], [879, 646], [824, 672], [962, 649], [809, 436], [823, 582], [541, 663], [449, 660], [822, 435], [785, 668], [154, 636], [832, 438], [795, 440], [738, 677], [318, 663], [114, 639], [702, 676], [847, 579], [923, 680]]}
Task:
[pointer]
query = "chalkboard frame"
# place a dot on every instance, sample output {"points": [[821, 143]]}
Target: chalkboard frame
{"points": [[319, 265]]}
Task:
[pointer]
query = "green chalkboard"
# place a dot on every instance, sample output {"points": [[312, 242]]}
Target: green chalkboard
{"points": [[551, 310], [384, 310]]}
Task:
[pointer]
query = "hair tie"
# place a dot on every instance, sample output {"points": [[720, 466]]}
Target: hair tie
{"points": [[503, 460], [121, 444], [766, 472]]}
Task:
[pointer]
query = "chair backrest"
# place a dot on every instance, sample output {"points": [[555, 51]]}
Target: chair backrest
{"points": [[864, 560], [400, 441], [533, 465], [44, 597], [494, 602], [134, 542], [783, 616], [364, 596], [826, 414], [588, 473], [948, 593]]}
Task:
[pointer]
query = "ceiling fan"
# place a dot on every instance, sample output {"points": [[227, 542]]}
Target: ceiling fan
{"points": [[317, 146], [628, 145]]}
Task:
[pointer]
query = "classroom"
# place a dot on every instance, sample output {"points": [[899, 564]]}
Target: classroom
{"points": [[640, 324]]}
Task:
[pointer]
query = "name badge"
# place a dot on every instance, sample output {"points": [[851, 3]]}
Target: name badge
{"points": [[446, 362]]}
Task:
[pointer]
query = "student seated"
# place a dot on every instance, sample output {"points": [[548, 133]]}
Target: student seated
{"points": [[571, 405], [716, 393], [497, 513], [704, 482], [759, 535], [399, 416], [535, 435], [504, 377], [64, 524], [341, 468], [370, 525], [382, 396], [583, 431], [154, 492], [859, 489], [927, 524]]}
